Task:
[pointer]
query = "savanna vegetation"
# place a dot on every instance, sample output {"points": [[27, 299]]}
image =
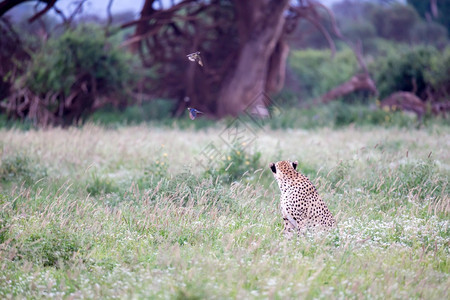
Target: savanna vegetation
{"points": [[132, 211], [109, 190], [59, 73]]}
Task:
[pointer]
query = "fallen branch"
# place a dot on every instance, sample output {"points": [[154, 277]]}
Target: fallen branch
{"points": [[359, 82], [407, 101], [404, 101]]}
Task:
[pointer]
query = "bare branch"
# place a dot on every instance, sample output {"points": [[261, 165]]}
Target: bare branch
{"points": [[325, 33], [308, 12], [61, 14], [359, 82], [108, 10], [109, 18], [6, 5], [357, 48], [50, 4], [165, 14], [78, 9]]}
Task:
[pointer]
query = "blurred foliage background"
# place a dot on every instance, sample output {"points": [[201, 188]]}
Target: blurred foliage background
{"points": [[51, 63]]}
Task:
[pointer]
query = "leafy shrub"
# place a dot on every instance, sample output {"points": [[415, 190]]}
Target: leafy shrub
{"points": [[438, 75], [20, 168], [78, 56], [379, 47], [70, 72], [318, 72], [422, 70], [404, 71]]}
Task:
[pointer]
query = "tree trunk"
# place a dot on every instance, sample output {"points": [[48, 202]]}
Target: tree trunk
{"points": [[260, 26], [277, 67], [142, 27]]}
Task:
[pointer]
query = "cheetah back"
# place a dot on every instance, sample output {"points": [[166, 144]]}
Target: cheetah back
{"points": [[299, 198]]}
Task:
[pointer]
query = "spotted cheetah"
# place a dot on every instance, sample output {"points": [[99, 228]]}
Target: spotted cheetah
{"points": [[301, 205]]}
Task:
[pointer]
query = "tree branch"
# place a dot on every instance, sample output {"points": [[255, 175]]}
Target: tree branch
{"points": [[356, 48], [6, 5], [109, 18], [50, 4]]}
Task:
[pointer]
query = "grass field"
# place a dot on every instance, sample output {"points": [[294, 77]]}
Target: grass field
{"points": [[130, 213]]}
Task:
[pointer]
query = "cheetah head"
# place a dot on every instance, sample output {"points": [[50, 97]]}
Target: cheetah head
{"points": [[284, 170]]}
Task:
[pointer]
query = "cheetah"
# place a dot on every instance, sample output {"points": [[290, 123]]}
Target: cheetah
{"points": [[301, 205]]}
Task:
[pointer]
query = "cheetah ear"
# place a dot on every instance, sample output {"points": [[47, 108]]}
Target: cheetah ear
{"points": [[272, 167], [295, 164]]}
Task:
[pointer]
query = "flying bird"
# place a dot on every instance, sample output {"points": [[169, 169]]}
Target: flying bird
{"points": [[195, 57], [193, 113]]}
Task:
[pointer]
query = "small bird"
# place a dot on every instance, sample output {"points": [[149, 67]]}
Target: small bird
{"points": [[195, 57], [193, 113]]}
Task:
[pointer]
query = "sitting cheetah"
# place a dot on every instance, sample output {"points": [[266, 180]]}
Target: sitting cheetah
{"points": [[301, 205]]}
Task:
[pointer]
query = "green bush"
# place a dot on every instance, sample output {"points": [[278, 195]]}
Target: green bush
{"points": [[78, 56], [318, 72], [379, 47], [72, 75], [422, 70], [404, 71], [438, 75]]}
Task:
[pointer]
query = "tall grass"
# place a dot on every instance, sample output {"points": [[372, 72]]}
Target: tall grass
{"points": [[128, 213]]}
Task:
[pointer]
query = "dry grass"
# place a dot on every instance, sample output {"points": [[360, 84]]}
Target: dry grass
{"points": [[128, 213]]}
